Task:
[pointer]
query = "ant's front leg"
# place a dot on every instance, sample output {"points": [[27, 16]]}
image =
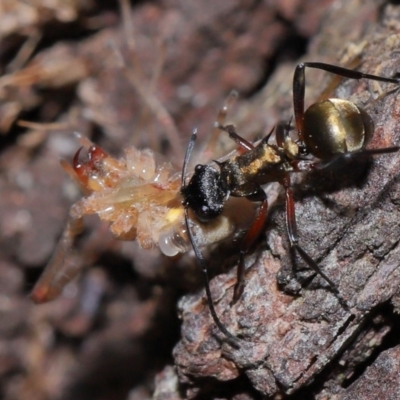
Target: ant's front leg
{"points": [[294, 239]]}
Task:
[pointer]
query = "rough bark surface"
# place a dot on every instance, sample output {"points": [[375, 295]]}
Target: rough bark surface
{"points": [[348, 222]]}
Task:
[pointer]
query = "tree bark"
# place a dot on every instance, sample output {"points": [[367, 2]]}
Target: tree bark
{"points": [[293, 335]]}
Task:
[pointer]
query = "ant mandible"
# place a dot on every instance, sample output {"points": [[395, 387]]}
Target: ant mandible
{"points": [[329, 131]]}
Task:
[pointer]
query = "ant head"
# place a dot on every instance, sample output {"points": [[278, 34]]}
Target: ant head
{"points": [[205, 193]]}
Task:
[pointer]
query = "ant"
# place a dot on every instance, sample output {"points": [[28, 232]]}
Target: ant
{"points": [[140, 198], [138, 193], [329, 131]]}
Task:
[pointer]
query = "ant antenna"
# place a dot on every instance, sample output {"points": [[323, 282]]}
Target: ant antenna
{"points": [[188, 154], [269, 135], [233, 340]]}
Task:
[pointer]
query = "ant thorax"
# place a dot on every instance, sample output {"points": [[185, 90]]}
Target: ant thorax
{"points": [[245, 173]]}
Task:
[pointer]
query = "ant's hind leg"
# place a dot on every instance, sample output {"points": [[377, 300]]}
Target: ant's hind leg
{"points": [[294, 240], [299, 83], [57, 274]]}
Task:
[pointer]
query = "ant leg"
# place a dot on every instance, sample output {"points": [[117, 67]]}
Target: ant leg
{"points": [[211, 147], [299, 85], [251, 235], [233, 340], [56, 275], [356, 154], [221, 116], [309, 165], [294, 239], [242, 143]]}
